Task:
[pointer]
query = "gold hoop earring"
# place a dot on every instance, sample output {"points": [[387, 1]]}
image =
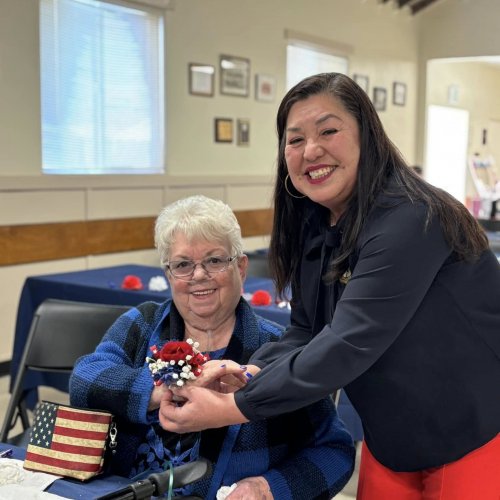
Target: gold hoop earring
{"points": [[288, 191]]}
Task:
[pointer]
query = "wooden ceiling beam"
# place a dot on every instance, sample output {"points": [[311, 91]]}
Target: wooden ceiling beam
{"points": [[418, 6]]}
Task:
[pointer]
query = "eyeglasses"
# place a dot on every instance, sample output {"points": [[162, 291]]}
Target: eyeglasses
{"points": [[185, 268]]}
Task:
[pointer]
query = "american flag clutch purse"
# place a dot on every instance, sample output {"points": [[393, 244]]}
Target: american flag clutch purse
{"points": [[69, 441]]}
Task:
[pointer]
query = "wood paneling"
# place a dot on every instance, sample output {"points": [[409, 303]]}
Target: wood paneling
{"points": [[41, 242]]}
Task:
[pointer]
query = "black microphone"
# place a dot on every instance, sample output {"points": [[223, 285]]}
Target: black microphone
{"points": [[158, 483]]}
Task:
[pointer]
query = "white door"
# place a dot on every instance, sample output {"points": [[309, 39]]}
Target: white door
{"points": [[446, 149]]}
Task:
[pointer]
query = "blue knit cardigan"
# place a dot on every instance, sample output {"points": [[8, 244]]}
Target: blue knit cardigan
{"points": [[306, 454]]}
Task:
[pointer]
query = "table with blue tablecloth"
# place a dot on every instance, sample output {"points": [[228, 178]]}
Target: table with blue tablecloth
{"points": [[104, 285]]}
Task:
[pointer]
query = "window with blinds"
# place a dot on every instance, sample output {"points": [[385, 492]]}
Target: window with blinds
{"points": [[306, 59], [102, 88]]}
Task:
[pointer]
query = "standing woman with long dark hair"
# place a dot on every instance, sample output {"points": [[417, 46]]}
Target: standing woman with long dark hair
{"points": [[395, 297]]}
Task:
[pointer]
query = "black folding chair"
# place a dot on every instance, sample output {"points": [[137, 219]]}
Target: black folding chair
{"points": [[61, 331]]}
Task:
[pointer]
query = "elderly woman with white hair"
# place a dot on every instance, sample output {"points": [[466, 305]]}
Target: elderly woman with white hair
{"points": [[303, 454]]}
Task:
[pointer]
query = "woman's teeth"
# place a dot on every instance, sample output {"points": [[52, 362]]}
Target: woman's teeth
{"points": [[320, 172], [204, 292]]}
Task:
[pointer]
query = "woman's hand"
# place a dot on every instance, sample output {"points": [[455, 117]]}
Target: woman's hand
{"points": [[224, 376], [251, 488], [202, 409], [156, 395]]}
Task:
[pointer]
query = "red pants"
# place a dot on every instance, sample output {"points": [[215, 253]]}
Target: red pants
{"points": [[474, 477]]}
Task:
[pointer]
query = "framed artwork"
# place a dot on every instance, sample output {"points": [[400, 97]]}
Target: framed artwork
{"points": [[201, 79], [380, 98], [399, 93], [223, 129], [243, 133], [362, 81], [234, 76], [265, 88]]}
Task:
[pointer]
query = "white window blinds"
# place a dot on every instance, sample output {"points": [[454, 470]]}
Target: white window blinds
{"points": [[101, 88], [306, 61]]}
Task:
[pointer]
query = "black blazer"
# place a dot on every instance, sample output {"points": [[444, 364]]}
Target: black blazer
{"points": [[414, 339]]}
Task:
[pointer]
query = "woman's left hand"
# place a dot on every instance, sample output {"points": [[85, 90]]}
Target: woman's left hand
{"points": [[251, 488]]}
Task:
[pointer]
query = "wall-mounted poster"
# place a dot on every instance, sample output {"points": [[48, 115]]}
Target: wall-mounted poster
{"points": [[399, 93], [234, 76], [265, 87], [201, 79], [223, 129], [380, 98], [243, 137]]}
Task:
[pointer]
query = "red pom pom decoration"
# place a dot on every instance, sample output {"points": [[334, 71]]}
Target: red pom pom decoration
{"points": [[131, 282], [261, 298]]}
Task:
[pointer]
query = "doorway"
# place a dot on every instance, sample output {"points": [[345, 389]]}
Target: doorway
{"points": [[446, 149]]}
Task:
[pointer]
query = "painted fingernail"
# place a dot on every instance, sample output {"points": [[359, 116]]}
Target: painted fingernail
{"points": [[248, 375], [243, 367], [223, 366]]}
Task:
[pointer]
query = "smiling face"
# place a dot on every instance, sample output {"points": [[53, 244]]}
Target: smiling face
{"points": [[206, 301], [322, 151]]}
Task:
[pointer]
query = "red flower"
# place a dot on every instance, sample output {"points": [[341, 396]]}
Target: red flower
{"points": [[175, 351], [261, 298], [131, 282]]}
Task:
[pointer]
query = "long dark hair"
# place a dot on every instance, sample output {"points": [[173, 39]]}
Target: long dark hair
{"points": [[379, 159]]}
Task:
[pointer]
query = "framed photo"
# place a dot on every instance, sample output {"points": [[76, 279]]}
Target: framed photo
{"points": [[223, 129], [201, 79], [243, 133], [234, 76], [362, 81], [380, 98], [399, 93], [265, 88]]}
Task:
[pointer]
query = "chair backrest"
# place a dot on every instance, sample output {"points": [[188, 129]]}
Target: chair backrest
{"points": [[61, 331]]}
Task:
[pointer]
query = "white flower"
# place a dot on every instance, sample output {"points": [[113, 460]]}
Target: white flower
{"points": [[180, 383], [158, 284]]}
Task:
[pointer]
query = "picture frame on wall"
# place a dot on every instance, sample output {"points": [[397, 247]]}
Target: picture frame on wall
{"points": [[399, 93], [265, 87], [201, 79], [380, 98], [234, 76], [223, 128], [243, 132], [362, 80]]}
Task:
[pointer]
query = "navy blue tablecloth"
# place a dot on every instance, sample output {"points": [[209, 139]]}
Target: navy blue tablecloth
{"points": [[103, 285]]}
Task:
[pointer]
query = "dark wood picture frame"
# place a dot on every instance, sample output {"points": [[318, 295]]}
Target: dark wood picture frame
{"points": [[223, 130]]}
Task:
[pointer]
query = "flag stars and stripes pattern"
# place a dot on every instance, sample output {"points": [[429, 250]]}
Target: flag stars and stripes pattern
{"points": [[67, 441]]}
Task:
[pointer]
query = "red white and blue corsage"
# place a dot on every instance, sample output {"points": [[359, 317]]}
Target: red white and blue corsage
{"points": [[176, 362]]}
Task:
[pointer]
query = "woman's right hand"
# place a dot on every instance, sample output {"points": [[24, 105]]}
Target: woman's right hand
{"points": [[224, 376]]}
